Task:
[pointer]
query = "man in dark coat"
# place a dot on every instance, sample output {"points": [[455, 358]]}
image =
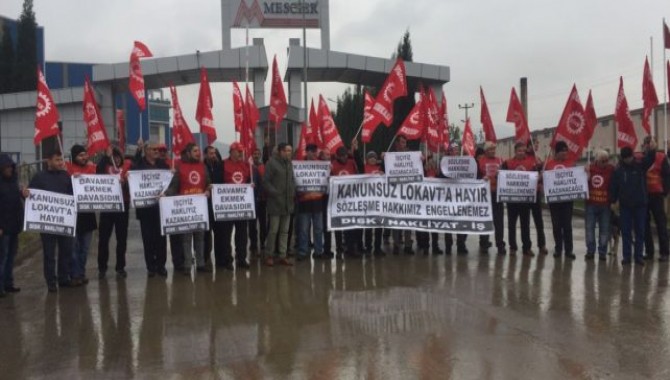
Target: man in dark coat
{"points": [[11, 222]]}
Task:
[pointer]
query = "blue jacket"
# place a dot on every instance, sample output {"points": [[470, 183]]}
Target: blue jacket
{"points": [[629, 182]]}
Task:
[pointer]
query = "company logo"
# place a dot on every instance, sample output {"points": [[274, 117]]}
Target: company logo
{"points": [[277, 14], [194, 177], [597, 181], [237, 177], [575, 123], [43, 104], [343, 172]]}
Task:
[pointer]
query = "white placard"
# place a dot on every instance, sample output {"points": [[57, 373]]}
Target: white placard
{"points": [[233, 202], [516, 186], [565, 185], [146, 185], [98, 192], [183, 214], [50, 213], [403, 167], [311, 176], [459, 167], [434, 205]]}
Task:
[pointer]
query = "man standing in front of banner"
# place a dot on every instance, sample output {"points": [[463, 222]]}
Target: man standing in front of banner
{"points": [[488, 166], [113, 163], [86, 222], [191, 178], [629, 188], [658, 183], [401, 238], [11, 222], [536, 208], [372, 166], [345, 164], [55, 179], [258, 228], [155, 246], [280, 189], [598, 206], [236, 171], [214, 237], [520, 162], [309, 216], [561, 212]]}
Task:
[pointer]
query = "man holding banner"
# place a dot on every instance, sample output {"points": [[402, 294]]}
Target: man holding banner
{"points": [[55, 179], [373, 167], [191, 178], [598, 205], [155, 246], [488, 166], [309, 204], [235, 171], [561, 212], [345, 164]]}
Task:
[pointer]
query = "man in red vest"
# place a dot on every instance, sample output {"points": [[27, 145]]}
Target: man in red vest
{"points": [[191, 177], [372, 166], [658, 178], [488, 166], [344, 164], [561, 212], [236, 171], [598, 205]]}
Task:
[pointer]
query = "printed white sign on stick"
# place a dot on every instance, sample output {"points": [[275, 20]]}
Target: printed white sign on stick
{"points": [[50, 213], [98, 192], [146, 185], [183, 214], [516, 186], [459, 167], [311, 176], [403, 167], [565, 185], [233, 202]]}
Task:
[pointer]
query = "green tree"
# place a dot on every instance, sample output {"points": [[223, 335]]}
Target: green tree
{"points": [[7, 62], [26, 50]]}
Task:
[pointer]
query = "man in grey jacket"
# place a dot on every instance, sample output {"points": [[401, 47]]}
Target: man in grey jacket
{"points": [[280, 190]]}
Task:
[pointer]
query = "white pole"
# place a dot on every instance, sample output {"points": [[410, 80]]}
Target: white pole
{"points": [[246, 70], [665, 95], [652, 122]]}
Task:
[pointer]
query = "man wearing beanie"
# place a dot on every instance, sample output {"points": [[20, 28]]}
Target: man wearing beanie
{"points": [[11, 222], [629, 188], [86, 222]]}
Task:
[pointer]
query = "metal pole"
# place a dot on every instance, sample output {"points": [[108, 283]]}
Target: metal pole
{"points": [[665, 97], [304, 58], [651, 69]]}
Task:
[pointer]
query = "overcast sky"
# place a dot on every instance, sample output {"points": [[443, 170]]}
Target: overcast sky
{"points": [[486, 42]]}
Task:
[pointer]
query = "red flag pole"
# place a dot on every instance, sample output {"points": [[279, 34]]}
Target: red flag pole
{"points": [[667, 85]]}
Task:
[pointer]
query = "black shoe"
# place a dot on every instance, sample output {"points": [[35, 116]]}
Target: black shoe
{"points": [[625, 262], [570, 256], [447, 251], [328, 255], [379, 252], [425, 251], [502, 251], [649, 257], [408, 250], [152, 274], [602, 257], [102, 275], [68, 284], [437, 251], [228, 266], [557, 254], [12, 289], [52, 289], [528, 253], [121, 273], [639, 261], [301, 258], [243, 265], [204, 269], [663, 259], [589, 257], [396, 251], [512, 251], [162, 272]]}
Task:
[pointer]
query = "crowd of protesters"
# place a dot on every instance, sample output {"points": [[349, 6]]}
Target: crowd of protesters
{"points": [[290, 225]]}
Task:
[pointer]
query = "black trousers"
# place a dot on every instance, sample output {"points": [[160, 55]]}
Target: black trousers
{"points": [[118, 222], [369, 232], [498, 209], [155, 246], [518, 211], [424, 239], [260, 224], [49, 244], [214, 240], [460, 241], [177, 251], [536, 213], [561, 223], [656, 209], [240, 241]]}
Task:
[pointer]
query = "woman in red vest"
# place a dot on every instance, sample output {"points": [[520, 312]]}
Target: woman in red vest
{"points": [[561, 212]]}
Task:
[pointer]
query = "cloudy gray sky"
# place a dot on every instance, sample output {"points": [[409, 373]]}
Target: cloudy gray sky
{"points": [[486, 42]]}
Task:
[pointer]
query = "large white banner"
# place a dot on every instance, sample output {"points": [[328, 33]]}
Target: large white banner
{"points": [[516, 186], [311, 176], [146, 185], [403, 167], [459, 167], [564, 185], [233, 202], [183, 214], [434, 205], [50, 213], [98, 192]]}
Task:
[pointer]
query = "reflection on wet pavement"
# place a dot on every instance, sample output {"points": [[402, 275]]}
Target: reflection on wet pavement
{"points": [[399, 317]]}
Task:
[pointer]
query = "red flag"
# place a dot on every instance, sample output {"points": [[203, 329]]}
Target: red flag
{"points": [[625, 128], [329, 133], [203, 114], [668, 76], [181, 134], [238, 107], [300, 152], [666, 35], [412, 128], [444, 121], [515, 115], [431, 121], [121, 129], [251, 117], [649, 98], [591, 118], [370, 121], [46, 115], [278, 104], [394, 87], [485, 118], [315, 123], [469, 145], [136, 84], [572, 127], [97, 134]]}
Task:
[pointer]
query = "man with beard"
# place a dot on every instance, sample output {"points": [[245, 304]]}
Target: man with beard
{"points": [[236, 171], [214, 237]]}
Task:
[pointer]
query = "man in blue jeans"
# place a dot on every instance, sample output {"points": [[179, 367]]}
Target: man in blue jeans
{"points": [[597, 206], [629, 188], [310, 217]]}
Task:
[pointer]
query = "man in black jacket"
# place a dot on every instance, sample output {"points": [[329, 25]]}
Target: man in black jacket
{"points": [[11, 222], [215, 170], [629, 188], [55, 179]]}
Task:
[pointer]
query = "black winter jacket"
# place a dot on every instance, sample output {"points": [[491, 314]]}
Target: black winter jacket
{"points": [[11, 200]]}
